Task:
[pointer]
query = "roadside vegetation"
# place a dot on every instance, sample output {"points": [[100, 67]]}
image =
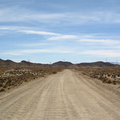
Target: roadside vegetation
{"points": [[11, 77], [109, 75], [13, 74]]}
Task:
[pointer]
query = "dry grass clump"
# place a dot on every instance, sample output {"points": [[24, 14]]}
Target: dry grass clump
{"points": [[11, 77], [106, 75]]}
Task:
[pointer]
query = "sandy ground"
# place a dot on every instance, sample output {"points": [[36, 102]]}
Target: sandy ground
{"points": [[66, 95]]}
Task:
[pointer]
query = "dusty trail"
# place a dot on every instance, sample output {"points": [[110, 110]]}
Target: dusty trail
{"points": [[63, 96]]}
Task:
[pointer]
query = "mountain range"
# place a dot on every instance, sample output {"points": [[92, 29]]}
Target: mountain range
{"points": [[10, 63]]}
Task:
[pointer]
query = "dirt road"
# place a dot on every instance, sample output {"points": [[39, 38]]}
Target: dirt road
{"points": [[66, 95]]}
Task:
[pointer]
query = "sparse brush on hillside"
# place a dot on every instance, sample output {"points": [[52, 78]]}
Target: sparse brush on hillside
{"points": [[11, 77], [106, 75]]}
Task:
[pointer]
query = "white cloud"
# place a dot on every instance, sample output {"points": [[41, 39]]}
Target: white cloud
{"points": [[102, 53], [13, 28], [27, 30], [63, 37], [31, 51], [38, 32], [103, 41]]}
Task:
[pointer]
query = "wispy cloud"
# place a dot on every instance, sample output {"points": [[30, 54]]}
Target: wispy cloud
{"points": [[14, 14], [31, 51], [102, 53], [38, 32], [84, 38], [13, 28], [63, 37], [103, 41], [52, 36], [27, 30]]}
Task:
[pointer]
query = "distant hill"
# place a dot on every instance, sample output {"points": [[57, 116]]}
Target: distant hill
{"points": [[96, 64], [30, 64], [62, 64], [10, 63], [7, 63], [27, 63]]}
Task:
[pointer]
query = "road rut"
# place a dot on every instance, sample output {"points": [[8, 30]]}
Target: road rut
{"points": [[66, 95]]}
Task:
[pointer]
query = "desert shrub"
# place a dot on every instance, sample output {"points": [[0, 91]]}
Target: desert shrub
{"points": [[11, 77], [106, 75]]}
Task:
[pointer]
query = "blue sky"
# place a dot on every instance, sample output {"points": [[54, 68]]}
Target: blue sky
{"points": [[46, 31]]}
